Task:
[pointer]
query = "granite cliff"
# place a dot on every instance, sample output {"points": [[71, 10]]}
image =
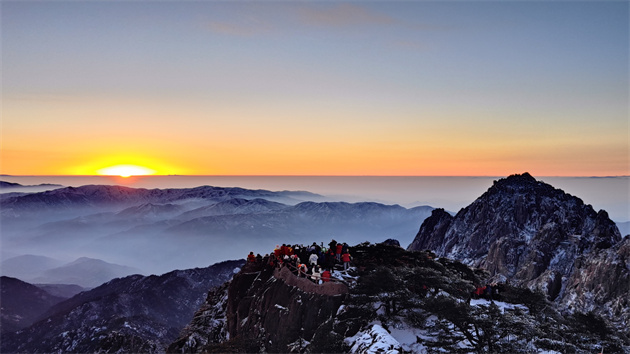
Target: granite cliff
{"points": [[261, 308], [531, 234]]}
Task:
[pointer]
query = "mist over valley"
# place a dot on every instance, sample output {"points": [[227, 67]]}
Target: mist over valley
{"points": [[160, 223], [158, 230]]}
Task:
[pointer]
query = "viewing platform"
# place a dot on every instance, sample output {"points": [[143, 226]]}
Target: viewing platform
{"points": [[331, 288]]}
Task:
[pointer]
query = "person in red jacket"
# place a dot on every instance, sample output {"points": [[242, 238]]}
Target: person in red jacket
{"points": [[346, 261], [326, 276], [251, 258]]}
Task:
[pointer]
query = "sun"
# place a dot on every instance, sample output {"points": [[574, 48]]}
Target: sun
{"points": [[126, 171]]}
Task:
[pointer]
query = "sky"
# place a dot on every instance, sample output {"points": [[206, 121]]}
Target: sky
{"points": [[463, 88]]}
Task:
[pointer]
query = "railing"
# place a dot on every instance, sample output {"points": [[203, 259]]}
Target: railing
{"points": [[332, 288], [311, 276]]}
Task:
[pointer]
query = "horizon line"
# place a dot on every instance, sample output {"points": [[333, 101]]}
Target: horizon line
{"points": [[279, 175]]}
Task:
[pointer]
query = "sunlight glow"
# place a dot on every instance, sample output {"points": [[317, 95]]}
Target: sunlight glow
{"points": [[125, 171]]}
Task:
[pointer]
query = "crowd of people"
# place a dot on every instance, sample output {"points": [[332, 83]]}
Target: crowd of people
{"points": [[488, 292], [315, 262]]}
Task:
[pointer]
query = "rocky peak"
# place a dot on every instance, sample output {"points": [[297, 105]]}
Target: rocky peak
{"points": [[431, 229], [523, 179], [521, 230]]}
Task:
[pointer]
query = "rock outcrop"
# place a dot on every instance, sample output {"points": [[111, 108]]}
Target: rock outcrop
{"points": [[534, 235], [432, 231], [135, 314], [395, 301], [261, 308], [600, 282]]}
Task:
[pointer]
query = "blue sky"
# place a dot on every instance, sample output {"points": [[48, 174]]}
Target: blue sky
{"points": [[414, 88]]}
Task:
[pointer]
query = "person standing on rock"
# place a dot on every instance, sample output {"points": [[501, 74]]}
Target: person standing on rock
{"points": [[344, 248], [312, 259], [316, 274], [326, 276], [346, 261], [302, 269]]}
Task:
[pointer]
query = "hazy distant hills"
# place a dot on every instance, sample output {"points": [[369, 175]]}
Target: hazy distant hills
{"points": [[4, 184], [10, 189], [8, 185], [84, 272], [111, 197], [624, 227], [65, 291], [232, 207], [161, 229], [28, 267]]}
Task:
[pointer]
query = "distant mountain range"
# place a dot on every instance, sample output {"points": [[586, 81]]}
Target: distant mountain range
{"points": [[161, 229], [10, 189], [28, 267], [113, 197], [84, 272], [4, 184], [624, 227]]}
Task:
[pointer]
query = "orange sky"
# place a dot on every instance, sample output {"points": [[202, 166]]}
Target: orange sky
{"points": [[208, 88]]}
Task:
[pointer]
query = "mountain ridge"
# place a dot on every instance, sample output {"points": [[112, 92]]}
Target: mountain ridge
{"points": [[131, 314], [23, 303], [105, 196], [527, 232]]}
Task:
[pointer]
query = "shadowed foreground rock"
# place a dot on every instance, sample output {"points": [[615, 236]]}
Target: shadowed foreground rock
{"points": [[261, 308], [395, 301]]}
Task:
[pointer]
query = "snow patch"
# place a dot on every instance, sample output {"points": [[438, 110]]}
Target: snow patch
{"points": [[298, 346], [127, 325], [500, 304], [375, 340], [408, 337], [341, 309], [281, 307]]}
